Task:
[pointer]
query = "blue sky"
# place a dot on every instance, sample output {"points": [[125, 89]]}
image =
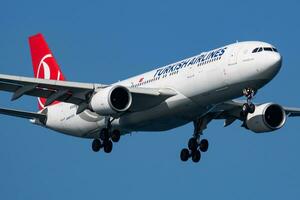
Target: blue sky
{"points": [[106, 41]]}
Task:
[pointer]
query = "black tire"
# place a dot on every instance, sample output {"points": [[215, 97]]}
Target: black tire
{"points": [[96, 145], [204, 145], [184, 154], [108, 145], [115, 136], [251, 108], [104, 134], [192, 144], [245, 108], [196, 156]]}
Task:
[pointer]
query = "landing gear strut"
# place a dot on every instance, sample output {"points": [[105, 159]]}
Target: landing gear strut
{"points": [[195, 144], [248, 107], [106, 137]]}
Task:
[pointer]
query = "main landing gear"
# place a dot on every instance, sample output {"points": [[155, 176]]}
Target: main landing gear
{"points": [[194, 149], [195, 144], [248, 107], [106, 138]]}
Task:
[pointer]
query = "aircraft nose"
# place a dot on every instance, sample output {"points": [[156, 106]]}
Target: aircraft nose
{"points": [[276, 61], [274, 64]]}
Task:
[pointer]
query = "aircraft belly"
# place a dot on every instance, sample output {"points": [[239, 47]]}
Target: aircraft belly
{"points": [[197, 92], [174, 112], [63, 118]]}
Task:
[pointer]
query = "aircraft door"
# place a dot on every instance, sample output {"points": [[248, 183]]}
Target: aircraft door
{"points": [[230, 70], [233, 57]]}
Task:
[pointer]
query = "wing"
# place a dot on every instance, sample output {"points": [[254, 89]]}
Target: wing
{"points": [[230, 111], [65, 91], [77, 93], [292, 112]]}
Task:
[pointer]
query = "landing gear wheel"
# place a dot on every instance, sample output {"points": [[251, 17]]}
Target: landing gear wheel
{"points": [[251, 108], [96, 145], [184, 155], [203, 145], [195, 145], [108, 145], [104, 134], [248, 108], [115, 135], [245, 108], [196, 155], [192, 144]]}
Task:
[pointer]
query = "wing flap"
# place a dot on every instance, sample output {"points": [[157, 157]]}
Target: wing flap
{"points": [[46, 83], [53, 89]]}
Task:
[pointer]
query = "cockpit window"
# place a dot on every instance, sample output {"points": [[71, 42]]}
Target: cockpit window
{"points": [[255, 50], [259, 49], [268, 49]]}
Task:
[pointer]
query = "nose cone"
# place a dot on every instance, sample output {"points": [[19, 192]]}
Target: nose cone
{"points": [[273, 65], [276, 62]]}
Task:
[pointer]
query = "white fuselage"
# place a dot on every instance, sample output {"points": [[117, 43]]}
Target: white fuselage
{"points": [[201, 83]]}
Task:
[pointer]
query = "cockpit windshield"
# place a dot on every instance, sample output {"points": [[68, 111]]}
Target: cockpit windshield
{"points": [[259, 49], [268, 49]]}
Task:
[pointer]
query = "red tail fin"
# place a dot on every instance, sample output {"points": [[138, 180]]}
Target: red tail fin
{"points": [[44, 63]]}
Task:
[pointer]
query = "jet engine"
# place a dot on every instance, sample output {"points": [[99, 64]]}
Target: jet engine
{"points": [[266, 117], [111, 100]]}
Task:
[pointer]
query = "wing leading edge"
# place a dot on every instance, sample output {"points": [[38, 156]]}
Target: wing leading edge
{"points": [[230, 111], [77, 93]]}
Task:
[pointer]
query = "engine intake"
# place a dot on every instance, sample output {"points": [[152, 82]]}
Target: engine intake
{"points": [[267, 117], [111, 100]]}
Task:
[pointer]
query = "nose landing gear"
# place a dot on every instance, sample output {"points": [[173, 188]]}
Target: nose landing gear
{"points": [[248, 107]]}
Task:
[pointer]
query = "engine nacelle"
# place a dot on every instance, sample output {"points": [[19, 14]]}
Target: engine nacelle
{"points": [[266, 117], [111, 100]]}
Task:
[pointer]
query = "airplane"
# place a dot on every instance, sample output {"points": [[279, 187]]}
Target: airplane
{"points": [[198, 89]]}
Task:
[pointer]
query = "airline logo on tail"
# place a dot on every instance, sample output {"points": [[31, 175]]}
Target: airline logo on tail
{"points": [[44, 70], [44, 63]]}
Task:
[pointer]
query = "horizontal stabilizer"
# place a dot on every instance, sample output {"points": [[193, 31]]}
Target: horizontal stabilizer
{"points": [[23, 114]]}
